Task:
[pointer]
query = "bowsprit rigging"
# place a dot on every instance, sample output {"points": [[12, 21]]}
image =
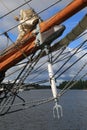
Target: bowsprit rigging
{"points": [[35, 41], [15, 55]]}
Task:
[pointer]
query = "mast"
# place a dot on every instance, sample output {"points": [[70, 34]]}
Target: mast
{"points": [[15, 55]]}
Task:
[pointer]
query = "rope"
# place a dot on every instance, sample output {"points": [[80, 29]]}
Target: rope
{"points": [[27, 3], [32, 104], [4, 5], [63, 64], [73, 78], [15, 9], [8, 100], [64, 54], [30, 68], [28, 71], [61, 93], [45, 81], [16, 46], [29, 18], [72, 65], [70, 57]]}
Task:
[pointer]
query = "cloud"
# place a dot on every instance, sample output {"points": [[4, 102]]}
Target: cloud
{"points": [[6, 6], [69, 74], [41, 73], [8, 22]]}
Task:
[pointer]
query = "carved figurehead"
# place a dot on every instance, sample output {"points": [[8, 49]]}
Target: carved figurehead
{"points": [[28, 20]]}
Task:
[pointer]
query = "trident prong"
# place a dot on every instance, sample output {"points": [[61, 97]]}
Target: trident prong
{"points": [[57, 109]]}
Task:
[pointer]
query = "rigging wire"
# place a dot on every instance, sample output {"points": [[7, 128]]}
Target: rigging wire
{"points": [[42, 102], [65, 55], [22, 51], [62, 53], [82, 35], [38, 71], [4, 5], [45, 81], [39, 102], [27, 3], [5, 107], [60, 94], [32, 104], [71, 65], [14, 9], [28, 71], [50, 6], [30, 18], [70, 57], [75, 82], [34, 71], [15, 46], [21, 77], [13, 90], [42, 64], [68, 84]]}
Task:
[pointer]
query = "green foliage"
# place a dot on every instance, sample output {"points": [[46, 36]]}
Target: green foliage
{"points": [[81, 84]]}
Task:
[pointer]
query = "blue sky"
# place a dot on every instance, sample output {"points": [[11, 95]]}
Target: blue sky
{"points": [[69, 23], [8, 22]]}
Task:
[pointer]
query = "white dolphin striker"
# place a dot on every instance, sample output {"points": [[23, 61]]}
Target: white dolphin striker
{"points": [[57, 109]]}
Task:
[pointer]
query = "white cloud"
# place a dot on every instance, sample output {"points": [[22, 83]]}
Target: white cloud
{"points": [[74, 69], [8, 22]]}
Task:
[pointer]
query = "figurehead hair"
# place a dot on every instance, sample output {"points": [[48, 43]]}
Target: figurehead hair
{"points": [[16, 18]]}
